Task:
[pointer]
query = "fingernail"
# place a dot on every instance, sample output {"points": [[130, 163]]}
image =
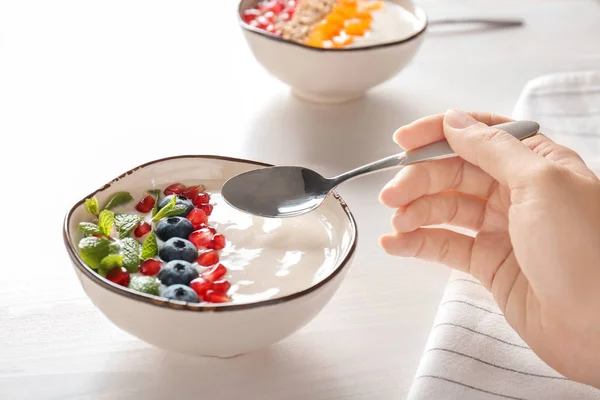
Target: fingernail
{"points": [[458, 119]]}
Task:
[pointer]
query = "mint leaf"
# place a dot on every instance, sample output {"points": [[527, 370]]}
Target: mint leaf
{"points": [[89, 228], [156, 194], [166, 209], [106, 220], [92, 250], [132, 252], [118, 199], [150, 247], [92, 205], [177, 210], [114, 248], [145, 284], [109, 262], [126, 223]]}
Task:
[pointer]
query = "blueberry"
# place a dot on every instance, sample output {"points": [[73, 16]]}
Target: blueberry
{"points": [[177, 272], [181, 200], [178, 249], [181, 293], [171, 227]]}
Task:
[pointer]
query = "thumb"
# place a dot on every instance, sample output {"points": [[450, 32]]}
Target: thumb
{"points": [[496, 152]]}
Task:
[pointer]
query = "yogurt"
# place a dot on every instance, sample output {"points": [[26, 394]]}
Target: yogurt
{"points": [[392, 23], [269, 258], [265, 258]]}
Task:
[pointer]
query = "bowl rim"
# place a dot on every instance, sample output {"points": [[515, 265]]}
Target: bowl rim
{"points": [[270, 36], [197, 307]]}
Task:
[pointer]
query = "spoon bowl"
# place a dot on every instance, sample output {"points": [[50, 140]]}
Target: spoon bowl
{"points": [[284, 191], [288, 191]]}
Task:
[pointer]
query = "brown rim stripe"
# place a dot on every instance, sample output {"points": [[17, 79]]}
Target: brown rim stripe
{"points": [[178, 305], [267, 35]]}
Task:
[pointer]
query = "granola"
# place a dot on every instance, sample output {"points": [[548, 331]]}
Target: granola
{"points": [[308, 13]]}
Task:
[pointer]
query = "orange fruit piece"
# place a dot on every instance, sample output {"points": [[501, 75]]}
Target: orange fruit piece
{"points": [[335, 19], [364, 16], [329, 31], [314, 42], [344, 11], [315, 39], [372, 5], [348, 2], [358, 28]]}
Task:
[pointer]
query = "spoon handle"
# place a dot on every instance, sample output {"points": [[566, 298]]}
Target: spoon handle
{"points": [[442, 149], [434, 151], [501, 23]]}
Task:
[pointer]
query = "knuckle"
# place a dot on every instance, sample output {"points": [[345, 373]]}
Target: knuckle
{"points": [[424, 211], [550, 150], [544, 179], [420, 247], [458, 175], [546, 173], [539, 144], [496, 119], [444, 251], [453, 209], [494, 135]]}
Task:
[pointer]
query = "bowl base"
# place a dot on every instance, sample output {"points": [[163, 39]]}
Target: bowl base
{"points": [[318, 98]]}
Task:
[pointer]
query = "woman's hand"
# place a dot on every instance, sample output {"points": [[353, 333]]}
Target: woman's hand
{"points": [[535, 208]]}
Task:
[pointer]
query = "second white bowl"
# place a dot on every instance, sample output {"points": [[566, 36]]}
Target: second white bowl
{"points": [[333, 75]]}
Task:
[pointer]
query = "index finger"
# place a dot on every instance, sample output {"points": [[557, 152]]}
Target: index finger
{"points": [[431, 129]]}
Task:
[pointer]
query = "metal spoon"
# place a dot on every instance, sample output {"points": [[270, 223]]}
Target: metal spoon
{"points": [[288, 191], [498, 23]]}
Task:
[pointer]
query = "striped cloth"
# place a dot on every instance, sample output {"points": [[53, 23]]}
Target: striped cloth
{"points": [[472, 353]]}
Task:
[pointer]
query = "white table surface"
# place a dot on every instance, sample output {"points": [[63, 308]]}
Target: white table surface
{"points": [[90, 89]]}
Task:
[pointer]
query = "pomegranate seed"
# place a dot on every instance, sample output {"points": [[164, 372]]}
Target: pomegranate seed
{"points": [[218, 242], [254, 24], [176, 188], [200, 286], [142, 229], [250, 15], [146, 204], [201, 198], [284, 17], [210, 228], [214, 297], [276, 8], [215, 273], [201, 238], [264, 5], [269, 15], [197, 217], [207, 208], [270, 28], [262, 22], [118, 275], [208, 258], [150, 267], [191, 192], [221, 286]]}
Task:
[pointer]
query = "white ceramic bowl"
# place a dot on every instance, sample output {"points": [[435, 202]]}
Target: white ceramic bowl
{"points": [[222, 330], [332, 75]]}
